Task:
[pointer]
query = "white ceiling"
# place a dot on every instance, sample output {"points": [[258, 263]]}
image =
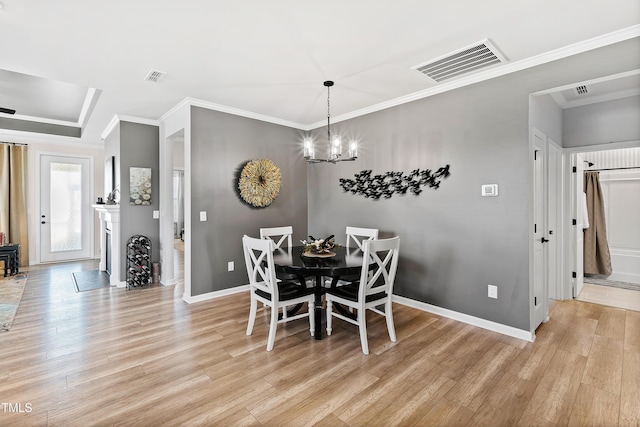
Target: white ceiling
{"points": [[269, 58]]}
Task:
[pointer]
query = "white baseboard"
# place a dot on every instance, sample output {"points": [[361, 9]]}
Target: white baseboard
{"points": [[465, 318], [450, 314], [216, 294], [169, 282]]}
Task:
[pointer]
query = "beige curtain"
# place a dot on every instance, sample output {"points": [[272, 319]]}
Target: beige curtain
{"points": [[597, 259], [13, 197]]}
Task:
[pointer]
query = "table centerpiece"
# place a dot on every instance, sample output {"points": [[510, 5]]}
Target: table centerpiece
{"points": [[319, 248]]}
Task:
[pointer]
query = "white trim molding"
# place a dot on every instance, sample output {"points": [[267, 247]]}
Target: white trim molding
{"points": [[193, 102], [117, 118], [450, 314], [466, 318], [503, 69], [215, 294]]}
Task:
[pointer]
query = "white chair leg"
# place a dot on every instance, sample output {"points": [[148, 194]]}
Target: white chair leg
{"points": [[362, 324], [388, 314], [312, 318], [252, 315], [329, 316], [272, 328]]}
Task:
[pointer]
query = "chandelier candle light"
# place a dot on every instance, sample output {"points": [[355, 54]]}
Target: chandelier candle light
{"points": [[334, 141]]}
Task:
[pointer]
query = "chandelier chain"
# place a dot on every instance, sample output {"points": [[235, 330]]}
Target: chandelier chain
{"points": [[328, 115]]}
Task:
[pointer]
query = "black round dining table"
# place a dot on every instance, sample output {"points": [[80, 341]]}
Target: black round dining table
{"points": [[345, 262]]}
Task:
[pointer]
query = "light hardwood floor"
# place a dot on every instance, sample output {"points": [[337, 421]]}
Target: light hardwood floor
{"points": [[144, 357]]}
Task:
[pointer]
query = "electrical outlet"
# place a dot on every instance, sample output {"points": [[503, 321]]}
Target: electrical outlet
{"points": [[230, 266], [492, 291]]}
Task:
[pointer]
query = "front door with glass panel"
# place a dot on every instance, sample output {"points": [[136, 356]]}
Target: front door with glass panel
{"points": [[65, 208]]}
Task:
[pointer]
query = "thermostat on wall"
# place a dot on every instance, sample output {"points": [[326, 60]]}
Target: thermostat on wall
{"points": [[489, 190]]}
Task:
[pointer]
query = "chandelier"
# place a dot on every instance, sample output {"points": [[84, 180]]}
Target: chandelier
{"points": [[334, 149]]}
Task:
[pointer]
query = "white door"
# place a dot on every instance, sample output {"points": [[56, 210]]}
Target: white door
{"points": [[65, 208], [540, 277], [577, 190]]}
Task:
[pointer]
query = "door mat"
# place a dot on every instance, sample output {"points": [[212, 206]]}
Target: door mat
{"points": [[11, 290], [90, 279], [612, 283]]}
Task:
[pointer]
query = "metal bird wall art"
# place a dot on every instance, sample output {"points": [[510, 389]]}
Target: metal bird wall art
{"points": [[390, 183]]}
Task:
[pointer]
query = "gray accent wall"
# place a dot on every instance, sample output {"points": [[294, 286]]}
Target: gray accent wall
{"points": [[220, 145], [453, 241]]}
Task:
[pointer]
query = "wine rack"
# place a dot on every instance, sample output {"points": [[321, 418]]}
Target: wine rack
{"points": [[138, 261]]}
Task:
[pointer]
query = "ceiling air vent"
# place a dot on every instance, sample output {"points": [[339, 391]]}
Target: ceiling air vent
{"points": [[581, 90], [154, 76], [472, 58]]}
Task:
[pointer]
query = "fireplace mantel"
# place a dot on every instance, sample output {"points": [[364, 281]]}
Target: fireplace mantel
{"points": [[110, 220]]}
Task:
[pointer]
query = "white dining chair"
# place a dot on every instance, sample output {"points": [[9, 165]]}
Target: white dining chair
{"points": [[281, 236], [357, 235], [278, 295], [374, 289]]}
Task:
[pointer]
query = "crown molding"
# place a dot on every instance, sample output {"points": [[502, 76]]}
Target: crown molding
{"points": [[588, 82], [117, 118], [238, 112], [504, 69], [110, 127], [22, 137]]}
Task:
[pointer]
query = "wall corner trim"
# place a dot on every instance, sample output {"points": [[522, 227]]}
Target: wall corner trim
{"points": [[465, 318]]}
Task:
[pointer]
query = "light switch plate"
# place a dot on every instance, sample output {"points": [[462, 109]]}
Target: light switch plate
{"points": [[203, 215], [156, 214]]}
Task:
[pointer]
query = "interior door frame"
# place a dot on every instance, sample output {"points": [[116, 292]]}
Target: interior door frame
{"points": [[577, 183], [90, 222], [172, 125], [569, 154], [556, 219]]}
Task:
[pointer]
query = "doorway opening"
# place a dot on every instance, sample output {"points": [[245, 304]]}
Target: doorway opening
{"points": [[619, 177], [178, 224], [177, 148]]}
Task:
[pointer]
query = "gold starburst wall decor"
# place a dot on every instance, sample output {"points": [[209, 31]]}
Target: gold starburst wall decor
{"points": [[260, 182]]}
